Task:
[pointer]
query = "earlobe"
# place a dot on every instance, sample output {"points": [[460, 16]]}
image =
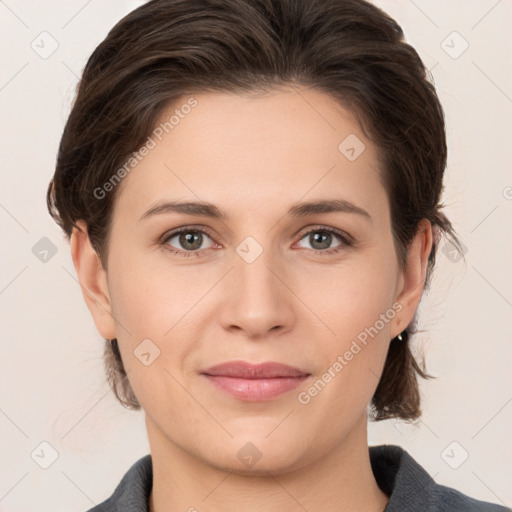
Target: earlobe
{"points": [[93, 280], [413, 276]]}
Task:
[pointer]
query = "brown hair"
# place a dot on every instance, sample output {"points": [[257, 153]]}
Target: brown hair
{"points": [[349, 49]]}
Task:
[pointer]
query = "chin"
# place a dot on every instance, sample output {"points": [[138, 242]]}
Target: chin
{"points": [[254, 456]]}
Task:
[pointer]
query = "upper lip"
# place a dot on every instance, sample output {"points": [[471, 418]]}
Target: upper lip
{"points": [[244, 370]]}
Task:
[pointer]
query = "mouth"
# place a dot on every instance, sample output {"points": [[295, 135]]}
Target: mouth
{"points": [[254, 382]]}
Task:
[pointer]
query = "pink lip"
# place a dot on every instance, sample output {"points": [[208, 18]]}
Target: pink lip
{"points": [[255, 383]]}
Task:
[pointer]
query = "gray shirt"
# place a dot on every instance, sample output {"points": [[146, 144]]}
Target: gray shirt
{"points": [[408, 485]]}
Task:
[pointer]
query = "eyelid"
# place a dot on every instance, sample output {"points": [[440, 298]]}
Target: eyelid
{"points": [[320, 227], [186, 229]]}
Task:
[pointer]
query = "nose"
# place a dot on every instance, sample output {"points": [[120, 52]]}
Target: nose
{"points": [[258, 298]]}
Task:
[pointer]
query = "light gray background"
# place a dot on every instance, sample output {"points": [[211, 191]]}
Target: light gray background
{"points": [[53, 386]]}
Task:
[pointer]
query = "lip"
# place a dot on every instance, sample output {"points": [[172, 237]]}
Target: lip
{"points": [[244, 370], [254, 382]]}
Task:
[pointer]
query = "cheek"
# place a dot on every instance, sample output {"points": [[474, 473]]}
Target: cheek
{"points": [[151, 304], [356, 305], [164, 303], [352, 297], [358, 312], [148, 298]]}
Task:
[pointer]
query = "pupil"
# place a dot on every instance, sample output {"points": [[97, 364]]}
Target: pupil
{"points": [[318, 236], [189, 238]]}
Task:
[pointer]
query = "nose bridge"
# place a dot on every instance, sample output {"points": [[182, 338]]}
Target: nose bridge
{"points": [[256, 279], [257, 297]]}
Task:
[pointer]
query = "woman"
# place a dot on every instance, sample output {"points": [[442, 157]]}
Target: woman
{"points": [[251, 189]]}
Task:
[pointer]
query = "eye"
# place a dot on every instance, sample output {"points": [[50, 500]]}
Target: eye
{"points": [[321, 239], [188, 241]]}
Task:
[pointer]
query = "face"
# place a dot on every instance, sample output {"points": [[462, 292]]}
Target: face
{"points": [[318, 289]]}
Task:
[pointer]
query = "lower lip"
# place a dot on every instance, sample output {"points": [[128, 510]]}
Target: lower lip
{"points": [[255, 390]]}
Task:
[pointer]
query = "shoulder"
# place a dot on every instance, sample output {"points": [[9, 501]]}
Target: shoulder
{"points": [[132, 493], [410, 487]]}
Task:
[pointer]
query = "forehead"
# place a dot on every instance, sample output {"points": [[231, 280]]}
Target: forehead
{"points": [[247, 150]]}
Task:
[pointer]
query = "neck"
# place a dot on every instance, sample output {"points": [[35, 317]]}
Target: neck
{"points": [[340, 480]]}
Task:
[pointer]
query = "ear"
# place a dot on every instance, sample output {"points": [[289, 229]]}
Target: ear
{"points": [[93, 280], [412, 278]]}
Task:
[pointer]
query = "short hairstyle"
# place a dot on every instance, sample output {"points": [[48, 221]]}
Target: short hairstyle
{"points": [[348, 49]]}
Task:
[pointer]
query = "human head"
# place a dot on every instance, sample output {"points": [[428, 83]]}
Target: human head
{"points": [[168, 50]]}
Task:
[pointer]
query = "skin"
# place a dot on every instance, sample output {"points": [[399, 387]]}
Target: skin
{"points": [[254, 157]]}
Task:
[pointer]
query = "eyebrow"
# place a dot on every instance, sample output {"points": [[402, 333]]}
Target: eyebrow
{"points": [[204, 209]]}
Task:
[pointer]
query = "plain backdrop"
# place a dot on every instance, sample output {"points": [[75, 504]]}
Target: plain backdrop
{"points": [[53, 388]]}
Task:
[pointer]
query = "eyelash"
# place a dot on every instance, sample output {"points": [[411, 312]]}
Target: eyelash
{"points": [[346, 241]]}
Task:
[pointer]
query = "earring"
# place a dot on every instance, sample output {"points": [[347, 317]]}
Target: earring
{"points": [[399, 337]]}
